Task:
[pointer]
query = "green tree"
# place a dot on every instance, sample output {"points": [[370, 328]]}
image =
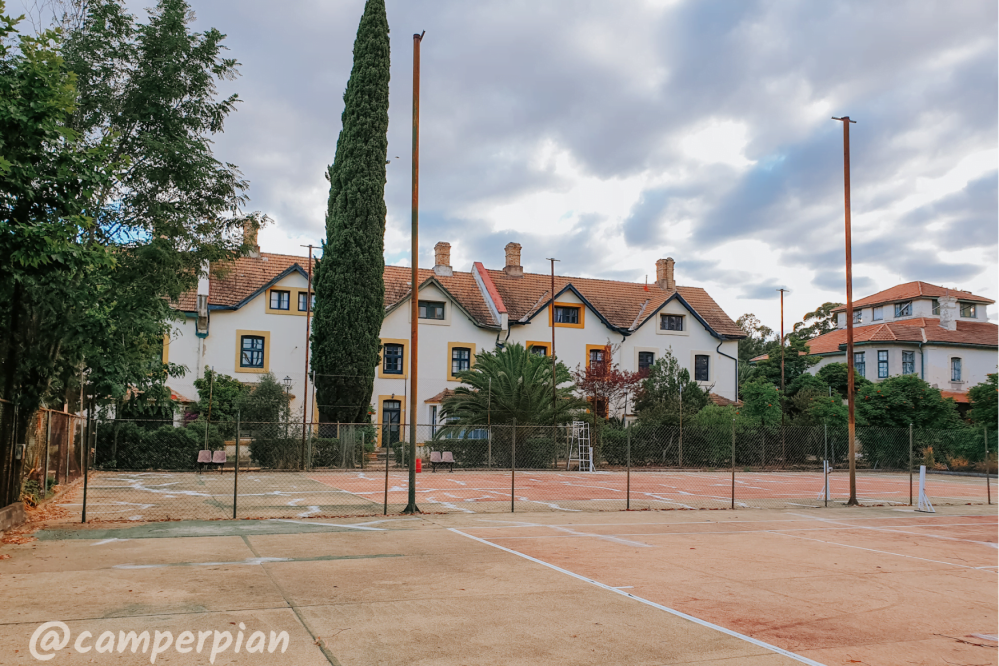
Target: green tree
{"points": [[984, 398], [226, 393], [349, 280], [835, 375], [796, 361], [511, 383], [666, 390], [898, 401], [820, 321], [265, 402], [761, 403], [757, 340]]}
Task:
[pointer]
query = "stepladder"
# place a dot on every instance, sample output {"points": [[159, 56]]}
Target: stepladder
{"points": [[580, 449]]}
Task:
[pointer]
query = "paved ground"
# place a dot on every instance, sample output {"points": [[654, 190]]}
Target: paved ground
{"points": [[836, 586]]}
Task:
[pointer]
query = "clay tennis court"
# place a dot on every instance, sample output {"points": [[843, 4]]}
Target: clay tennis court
{"points": [[187, 495]]}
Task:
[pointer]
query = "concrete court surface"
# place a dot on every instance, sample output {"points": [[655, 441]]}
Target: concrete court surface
{"points": [[872, 586]]}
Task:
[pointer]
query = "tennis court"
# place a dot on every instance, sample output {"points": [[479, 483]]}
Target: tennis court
{"points": [[270, 494]]}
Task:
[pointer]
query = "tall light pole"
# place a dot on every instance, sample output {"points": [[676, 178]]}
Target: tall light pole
{"points": [[783, 435], [849, 311], [551, 318], [415, 284]]}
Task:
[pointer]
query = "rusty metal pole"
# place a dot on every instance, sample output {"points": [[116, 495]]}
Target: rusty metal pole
{"points": [[551, 321], [308, 337], [783, 435], [849, 311], [414, 295]]}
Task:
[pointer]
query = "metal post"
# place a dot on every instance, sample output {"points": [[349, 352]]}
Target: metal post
{"points": [[551, 322], [235, 476], [513, 463], [910, 463], [489, 426], [680, 456], [48, 440], [825, 468], [783, 435], [86, 459], [733, 463], [308, 334], [211, 387], [414, 294], [65, 438], [388, 449], [988, 484], [628, 491], [849, 310]]}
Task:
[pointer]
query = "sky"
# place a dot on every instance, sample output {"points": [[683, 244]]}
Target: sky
{"points": [[609, 135]]}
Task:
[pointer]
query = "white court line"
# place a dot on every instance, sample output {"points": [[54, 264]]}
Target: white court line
{"points": [[357, 526], [672, 611], [746, 522], [890, 528], [874, 550]]}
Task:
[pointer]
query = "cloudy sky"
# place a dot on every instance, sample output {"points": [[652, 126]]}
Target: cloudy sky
{"points": [[610, 134]]}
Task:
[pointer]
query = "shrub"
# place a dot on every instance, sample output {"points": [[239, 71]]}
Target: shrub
{"points": [[139, 447]]}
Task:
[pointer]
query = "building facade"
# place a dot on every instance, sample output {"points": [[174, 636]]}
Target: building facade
{"points": [[251, 319], [943, 335]]}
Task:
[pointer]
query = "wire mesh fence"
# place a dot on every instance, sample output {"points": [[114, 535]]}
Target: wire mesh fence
{"points": [[155, 470]]}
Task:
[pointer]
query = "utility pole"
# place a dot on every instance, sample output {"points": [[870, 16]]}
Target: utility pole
{"points": [[308, 337], [849, 311], [414, 291], [551, 318]]}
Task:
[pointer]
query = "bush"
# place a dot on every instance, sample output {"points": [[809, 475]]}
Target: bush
{"points": [[277, 452], [139, 447]]}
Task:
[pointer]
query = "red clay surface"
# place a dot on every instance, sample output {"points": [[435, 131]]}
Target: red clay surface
{"points": [[476, 491], [838, 589]]}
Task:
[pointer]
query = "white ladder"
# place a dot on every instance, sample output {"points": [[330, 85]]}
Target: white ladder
{"points": [[580, 451]]}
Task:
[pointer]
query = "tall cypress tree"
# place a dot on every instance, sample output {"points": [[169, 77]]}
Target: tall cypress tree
{"points": [[349, 280]]}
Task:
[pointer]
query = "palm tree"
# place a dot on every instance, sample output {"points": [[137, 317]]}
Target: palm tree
{"points": [[511, 383]]}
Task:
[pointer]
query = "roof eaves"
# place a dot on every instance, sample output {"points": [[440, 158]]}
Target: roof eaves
{"points": [[697, 316], [582, 298], [433, 280], [294, 268]]}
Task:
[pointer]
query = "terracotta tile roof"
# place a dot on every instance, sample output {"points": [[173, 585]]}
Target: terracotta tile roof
{"points": [[911, 330], [722, 401], [910, 290], [440, 397], [956, 396], [625, 305]]}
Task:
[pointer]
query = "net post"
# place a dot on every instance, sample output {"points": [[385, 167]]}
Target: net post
{"points": [[825, 464], [627, 505], [910, 463], [733, 463], [513, 464], [988, 484], [86, 460], [385, 511], [235, 476]]}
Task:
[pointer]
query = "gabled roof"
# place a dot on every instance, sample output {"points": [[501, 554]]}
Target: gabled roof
{"points": [[913, 290], [624, 305], [920, 329]]}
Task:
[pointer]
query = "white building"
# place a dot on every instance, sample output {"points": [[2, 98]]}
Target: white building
{"points": [[943, 335], [251, 319]]}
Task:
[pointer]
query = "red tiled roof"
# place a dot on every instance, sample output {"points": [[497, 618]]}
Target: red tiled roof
{"points": [[956, 396], [910, 330], [625, 305], [722, 401], [911, 290], [440, 397]]}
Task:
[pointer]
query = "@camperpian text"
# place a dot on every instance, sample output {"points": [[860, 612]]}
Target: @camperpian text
{"points": [[51, 638]]}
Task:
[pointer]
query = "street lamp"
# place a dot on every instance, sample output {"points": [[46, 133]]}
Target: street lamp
{"points": [[287, 385]]}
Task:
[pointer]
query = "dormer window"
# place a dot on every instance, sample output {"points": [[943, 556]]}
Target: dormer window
{"points": [[903, 309], [968, 310]]}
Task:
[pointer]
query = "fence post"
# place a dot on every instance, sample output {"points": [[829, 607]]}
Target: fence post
{"points": [[235, 475], [388, 454], [733, 463], [988, 484], [825, 464], [86, 460], [48, 439], [910, 463], [628, 504], [513, 464]]}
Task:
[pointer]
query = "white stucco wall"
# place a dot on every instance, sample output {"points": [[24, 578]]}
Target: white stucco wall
{"points": [[935, 367]]}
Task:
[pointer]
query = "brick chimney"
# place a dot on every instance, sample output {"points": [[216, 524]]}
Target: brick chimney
{"points": [[948, 312], [513, 267], [664, 274], [442, 259], [250, 228]]}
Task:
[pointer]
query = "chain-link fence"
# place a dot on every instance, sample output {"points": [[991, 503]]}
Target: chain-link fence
{"points": [[154, 470], [48, 452]]}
